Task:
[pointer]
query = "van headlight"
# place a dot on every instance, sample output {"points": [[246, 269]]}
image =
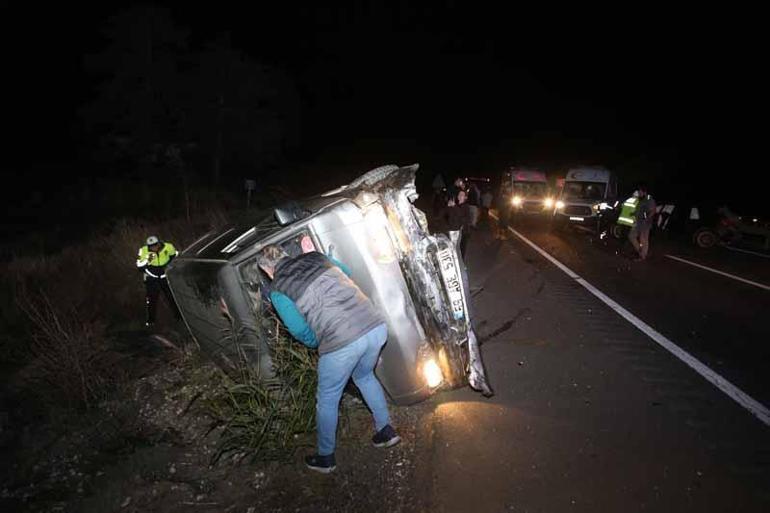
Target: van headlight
{"points": [[548, 203], [516, 201], [431, 372], [428, 366], [559, 204]]}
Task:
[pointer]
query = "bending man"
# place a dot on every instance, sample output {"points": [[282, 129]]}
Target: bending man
{"points": [[322, 307]]}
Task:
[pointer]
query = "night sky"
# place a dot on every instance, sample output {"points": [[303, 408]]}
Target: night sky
{"points": [[460, 87]]}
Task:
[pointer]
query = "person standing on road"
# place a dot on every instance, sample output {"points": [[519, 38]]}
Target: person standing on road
{"points": [[644, 215], [152, 260], [457, 186], [459, 218], [486, 203], [503, 217], [473, 198], [323, 308]]}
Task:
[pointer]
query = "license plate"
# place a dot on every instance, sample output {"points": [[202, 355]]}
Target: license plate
{"points": [[576, 219], [451, 275]]}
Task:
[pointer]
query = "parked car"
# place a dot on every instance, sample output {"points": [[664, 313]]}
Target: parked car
{"points": [[416, 279], [725, 227]]}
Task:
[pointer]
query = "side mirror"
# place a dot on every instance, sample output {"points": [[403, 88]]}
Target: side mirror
{"points": [[290, 213]]}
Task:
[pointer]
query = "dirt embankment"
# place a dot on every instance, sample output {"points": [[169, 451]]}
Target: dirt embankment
{"points": [[150, 448]]}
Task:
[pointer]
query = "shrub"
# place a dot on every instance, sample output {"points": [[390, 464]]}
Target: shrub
{"points": [[71, 359], [61, 308], [268, 420]]}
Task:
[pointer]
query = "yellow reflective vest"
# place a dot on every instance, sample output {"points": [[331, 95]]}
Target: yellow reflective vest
{"points": [[154, 264], [627, 215]]}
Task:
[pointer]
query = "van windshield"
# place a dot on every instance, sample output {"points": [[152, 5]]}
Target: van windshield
{"points": [[584, 190], [530, 189]]}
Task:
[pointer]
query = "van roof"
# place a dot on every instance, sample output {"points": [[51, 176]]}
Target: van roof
{"points": [[526, 174], [588, 174]]}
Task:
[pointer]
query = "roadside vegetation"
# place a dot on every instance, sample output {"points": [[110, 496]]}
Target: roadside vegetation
{"points": [[87, 388], [270, 421], [64, 312]]}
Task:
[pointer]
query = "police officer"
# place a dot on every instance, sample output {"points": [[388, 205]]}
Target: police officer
{"points": [[152, 260]]}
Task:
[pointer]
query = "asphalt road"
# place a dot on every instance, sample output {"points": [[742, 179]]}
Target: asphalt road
{"points": [[590, 414]]}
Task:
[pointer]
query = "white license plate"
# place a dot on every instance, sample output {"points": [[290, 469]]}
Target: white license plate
{"points": [[451, 275], [576, 219]]}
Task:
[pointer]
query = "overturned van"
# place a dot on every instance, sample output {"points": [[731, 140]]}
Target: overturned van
{"points": [[416, 280]]}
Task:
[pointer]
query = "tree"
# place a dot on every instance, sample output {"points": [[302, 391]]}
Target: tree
{"points": [[138, 110], [246, 113], [185, 116]]}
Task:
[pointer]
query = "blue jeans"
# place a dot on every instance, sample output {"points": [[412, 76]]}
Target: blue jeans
{"points": [[356, 359]]}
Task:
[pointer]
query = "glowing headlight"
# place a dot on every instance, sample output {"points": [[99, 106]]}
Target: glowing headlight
{"points": [[560, 204], [432, 373], [548, 203], [516, 201]]}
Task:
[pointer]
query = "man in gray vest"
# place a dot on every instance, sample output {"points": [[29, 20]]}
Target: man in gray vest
{"points": [[322, 307]]}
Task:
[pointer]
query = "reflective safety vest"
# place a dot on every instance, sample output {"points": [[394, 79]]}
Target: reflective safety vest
{"points": [[154, 264], [627, 215]]}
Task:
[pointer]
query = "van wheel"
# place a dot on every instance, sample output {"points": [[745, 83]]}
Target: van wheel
{"points": [[618, 231], [705, 238]]}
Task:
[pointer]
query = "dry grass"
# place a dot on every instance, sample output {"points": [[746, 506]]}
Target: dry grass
{"points": [[71, 359], [60, 310]]}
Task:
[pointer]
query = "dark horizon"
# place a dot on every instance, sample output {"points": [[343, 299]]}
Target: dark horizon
{"points": [[667, 97]]}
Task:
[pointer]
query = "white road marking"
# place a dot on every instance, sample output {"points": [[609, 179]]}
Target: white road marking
{"points": [[736, 394], [731, 248], [717, 271]]}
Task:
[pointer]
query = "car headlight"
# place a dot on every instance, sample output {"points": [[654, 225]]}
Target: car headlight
{"points": [[516, 201], [432, 373], [548, 203], [559, 204]]}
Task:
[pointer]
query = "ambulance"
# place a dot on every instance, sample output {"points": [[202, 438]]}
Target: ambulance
{"points": [[526, 191], [587, 194]]}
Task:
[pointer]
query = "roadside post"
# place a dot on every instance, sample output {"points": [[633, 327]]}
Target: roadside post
{"points": [[250, 185]]}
